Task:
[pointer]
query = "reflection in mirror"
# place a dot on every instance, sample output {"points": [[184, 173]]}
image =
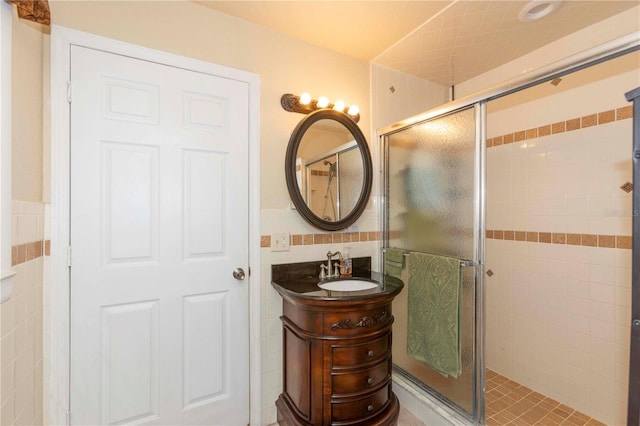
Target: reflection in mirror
{"points": [[330, 179], [328, 169]]}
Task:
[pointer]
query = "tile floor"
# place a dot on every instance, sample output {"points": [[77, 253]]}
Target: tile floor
{"points": [[509, 403]]}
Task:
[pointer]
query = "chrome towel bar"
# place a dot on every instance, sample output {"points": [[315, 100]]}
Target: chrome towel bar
{"points": [[464, 263]]}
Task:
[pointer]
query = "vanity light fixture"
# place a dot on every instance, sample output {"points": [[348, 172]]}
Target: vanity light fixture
{"points": [[305, 105]]}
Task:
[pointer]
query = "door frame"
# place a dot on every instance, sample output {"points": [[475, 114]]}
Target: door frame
{"points": [[57, 296]]}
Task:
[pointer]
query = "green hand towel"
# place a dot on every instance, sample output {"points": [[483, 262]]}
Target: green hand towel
{"points": [[433, 331], [393, 262]]}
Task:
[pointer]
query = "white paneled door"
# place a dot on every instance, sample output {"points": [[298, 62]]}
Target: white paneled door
{"points": [[159, 222]]}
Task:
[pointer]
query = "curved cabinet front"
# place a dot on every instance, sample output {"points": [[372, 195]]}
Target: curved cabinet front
{"points": [[337, 362]]}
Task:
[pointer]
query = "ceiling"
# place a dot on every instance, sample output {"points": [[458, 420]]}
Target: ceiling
{"points": [[446, 42]]}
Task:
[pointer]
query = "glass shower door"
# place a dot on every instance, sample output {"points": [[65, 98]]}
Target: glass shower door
{"points": [[433, 204]]}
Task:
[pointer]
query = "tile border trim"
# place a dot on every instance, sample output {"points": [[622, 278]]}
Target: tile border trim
{"points": [[590, 120], [325, 238], [590, 240], [22, 253]]}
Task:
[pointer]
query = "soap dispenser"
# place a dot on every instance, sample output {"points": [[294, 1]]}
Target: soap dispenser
{"points": [[346, 265]]}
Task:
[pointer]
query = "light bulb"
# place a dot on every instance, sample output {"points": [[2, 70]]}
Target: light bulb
{"points": [[339, 106], [353, 110], [323, 102], [304, 99]]}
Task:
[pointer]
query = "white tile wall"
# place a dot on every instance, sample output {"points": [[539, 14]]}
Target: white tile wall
{"points": [[557, 316], [21, 332], [531, 189], [27, 222], [410, 96]]}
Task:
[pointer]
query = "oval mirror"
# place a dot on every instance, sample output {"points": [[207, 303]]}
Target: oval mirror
{"points": [[328, 169]]}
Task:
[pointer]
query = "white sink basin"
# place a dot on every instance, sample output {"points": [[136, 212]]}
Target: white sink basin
{"points": [[347, 285]]}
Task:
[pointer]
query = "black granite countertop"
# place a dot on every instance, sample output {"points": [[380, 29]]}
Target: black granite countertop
{"points": [[301, 280]]}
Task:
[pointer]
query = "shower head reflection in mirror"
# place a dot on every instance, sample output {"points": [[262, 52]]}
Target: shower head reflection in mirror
{"points": [[329, 202], [329, 179]]}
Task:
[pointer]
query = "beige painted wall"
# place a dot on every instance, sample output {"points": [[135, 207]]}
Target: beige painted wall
{"points": [[285, 65], [26, 110]]}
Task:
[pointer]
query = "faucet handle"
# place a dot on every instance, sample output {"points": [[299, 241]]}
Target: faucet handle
{"points": [[323, 272], [336, 269]]}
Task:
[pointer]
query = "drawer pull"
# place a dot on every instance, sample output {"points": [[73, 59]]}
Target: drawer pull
{"points": [[369, 408], [369, 354], [370, 380]]}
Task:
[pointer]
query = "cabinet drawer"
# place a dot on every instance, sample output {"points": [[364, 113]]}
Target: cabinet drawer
{"points": [[362, 381], [352, 355], [357, 322], [360, 409]]}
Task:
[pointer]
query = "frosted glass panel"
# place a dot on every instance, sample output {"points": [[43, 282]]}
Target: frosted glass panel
{"points": [[430, 180], [431, 186]]}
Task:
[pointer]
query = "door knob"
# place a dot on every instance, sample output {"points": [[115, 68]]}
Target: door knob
{"points": [[238, 274]]}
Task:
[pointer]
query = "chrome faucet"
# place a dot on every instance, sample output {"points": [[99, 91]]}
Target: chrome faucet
{"points": [[336, 268]]}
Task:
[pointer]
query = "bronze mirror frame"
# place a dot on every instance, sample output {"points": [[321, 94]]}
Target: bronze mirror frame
{"points": [[290, 169]]}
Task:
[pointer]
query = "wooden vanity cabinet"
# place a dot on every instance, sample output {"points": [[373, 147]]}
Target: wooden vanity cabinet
{"points": [[337, 362]]}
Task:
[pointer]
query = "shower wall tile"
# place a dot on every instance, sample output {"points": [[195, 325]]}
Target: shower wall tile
{"points": [[558, 303], [398, 95], [554, 331]]}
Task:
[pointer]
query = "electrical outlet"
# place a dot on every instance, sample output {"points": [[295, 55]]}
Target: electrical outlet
{"points": [[280, 242]]}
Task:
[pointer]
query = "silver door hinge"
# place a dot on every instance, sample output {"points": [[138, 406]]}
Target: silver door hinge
{"points": [[68, 418], [69, 256], [69, 91]]}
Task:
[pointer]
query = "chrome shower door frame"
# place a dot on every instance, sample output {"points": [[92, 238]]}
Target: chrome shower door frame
{"points": [[595, 55], [633, 408], [479, 178]]}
